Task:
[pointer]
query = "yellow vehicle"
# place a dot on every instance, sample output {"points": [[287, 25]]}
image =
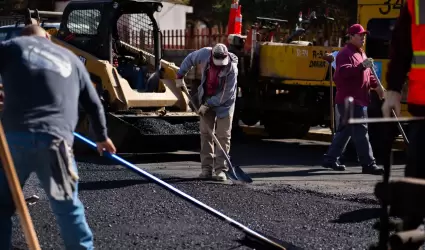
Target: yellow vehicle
{"points": [[120, 44], [286, 85]]}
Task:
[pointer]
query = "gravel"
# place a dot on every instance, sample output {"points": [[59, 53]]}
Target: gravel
{"points": [[152, 126], [127, 212]]}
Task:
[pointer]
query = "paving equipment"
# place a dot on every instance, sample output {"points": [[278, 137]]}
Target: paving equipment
{"points": [[120, 44], [284, 82]]}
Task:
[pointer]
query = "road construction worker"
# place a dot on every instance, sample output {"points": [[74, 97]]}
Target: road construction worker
{"points": [[216, 97], [406, 54], [353, 78], [43, 85]]}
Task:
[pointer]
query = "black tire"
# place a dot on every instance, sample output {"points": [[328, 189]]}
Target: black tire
{"points": [[278, 129]]}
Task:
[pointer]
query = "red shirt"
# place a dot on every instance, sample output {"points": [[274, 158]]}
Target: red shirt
{"points": [[351, 78], [212, 79]]}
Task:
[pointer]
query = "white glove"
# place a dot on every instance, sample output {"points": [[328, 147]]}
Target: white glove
{"points": [[368, 63], [202, 110], [392, 101]]}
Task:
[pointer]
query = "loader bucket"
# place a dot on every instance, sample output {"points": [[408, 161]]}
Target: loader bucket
{"points": [[148, 134]]}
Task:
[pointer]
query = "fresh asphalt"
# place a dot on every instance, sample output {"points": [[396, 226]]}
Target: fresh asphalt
{"points": [[292, 199]]}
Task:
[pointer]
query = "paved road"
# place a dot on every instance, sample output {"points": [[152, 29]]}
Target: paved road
{"points": [[292, 199]]}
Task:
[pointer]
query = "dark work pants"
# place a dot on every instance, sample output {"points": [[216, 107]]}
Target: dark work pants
{"points": [[359, 134], [415, 166]]}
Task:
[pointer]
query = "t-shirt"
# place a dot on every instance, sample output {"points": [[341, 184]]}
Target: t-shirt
{"points": [[43, 85]]}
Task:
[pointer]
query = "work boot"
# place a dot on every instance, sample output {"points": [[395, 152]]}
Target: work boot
{"points": [[220, 176], [334, 165], [372, 169], [206, 174]]}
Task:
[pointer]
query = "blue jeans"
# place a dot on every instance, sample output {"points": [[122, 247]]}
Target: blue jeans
{"points": [[31, 152], [359, 134]]}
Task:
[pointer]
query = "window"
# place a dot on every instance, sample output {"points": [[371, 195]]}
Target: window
{"points": [[84, 22], [378, 42]]}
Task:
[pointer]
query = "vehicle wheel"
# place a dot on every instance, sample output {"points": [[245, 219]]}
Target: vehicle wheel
{"points": [[285, 130]]}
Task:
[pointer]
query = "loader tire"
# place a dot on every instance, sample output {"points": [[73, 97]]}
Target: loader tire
{"points": [[285, 130]]}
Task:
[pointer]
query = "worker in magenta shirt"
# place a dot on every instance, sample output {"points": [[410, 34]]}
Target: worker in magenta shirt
{"points": [[354, 78], [217, 97]]}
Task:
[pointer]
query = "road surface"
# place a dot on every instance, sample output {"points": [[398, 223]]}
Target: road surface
{"points": [[292, 199]]}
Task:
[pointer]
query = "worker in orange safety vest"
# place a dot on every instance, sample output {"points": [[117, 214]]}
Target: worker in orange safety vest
{"points": [[407, 53]]}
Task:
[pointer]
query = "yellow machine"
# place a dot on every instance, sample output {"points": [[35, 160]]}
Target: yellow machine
{"points": [[286, 85], [283, 85], [120, 44]]}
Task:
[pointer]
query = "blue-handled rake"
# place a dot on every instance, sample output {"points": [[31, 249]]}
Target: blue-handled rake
{"points": [[252, 237]]}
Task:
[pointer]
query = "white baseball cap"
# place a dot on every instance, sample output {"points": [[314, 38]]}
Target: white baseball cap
{"points": [[220, 54]]}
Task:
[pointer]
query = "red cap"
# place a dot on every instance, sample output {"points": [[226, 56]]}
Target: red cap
{"points": [[357, 29]]}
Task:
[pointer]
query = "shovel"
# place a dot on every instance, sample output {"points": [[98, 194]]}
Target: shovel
{"points": [[235, 173], [251, 237]]}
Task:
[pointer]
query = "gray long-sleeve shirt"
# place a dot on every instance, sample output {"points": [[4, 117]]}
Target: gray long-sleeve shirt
{"points": [[43, 85]]}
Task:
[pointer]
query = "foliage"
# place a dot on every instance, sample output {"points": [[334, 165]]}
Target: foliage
{"points": [[217, 11]]}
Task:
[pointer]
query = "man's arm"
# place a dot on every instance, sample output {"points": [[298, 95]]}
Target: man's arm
{"points": [[193, 59], [228, 90], [347, 69], [373, 81], [90, 101], [401, 51]]}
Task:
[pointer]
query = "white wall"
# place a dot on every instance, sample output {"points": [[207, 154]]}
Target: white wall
{"points": [[60, 5], [173, 16]]}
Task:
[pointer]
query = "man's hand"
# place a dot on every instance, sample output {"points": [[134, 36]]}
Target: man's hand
{"points": [[392, 101], [368, 63], [202, 110], [107, 145], [380, 91]]}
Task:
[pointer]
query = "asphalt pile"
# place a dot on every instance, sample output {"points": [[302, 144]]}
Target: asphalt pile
{"points": [[126, 211], [153, 126]]}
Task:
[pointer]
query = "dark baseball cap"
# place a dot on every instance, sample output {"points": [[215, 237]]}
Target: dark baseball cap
{"points": [[357, 29]]}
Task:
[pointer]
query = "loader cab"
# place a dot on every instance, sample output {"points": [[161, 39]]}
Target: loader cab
{"points": [[106, 29]]}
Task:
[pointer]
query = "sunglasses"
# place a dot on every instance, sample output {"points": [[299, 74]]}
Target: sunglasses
{"points": [[219, 56]]}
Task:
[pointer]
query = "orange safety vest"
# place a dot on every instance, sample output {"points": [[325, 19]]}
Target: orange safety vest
{"points": [[416, 92]]}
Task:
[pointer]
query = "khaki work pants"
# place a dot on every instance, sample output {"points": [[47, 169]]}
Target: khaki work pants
{"points": [[222, 128]]}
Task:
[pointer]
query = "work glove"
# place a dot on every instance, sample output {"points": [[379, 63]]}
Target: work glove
{"points": [[202, 110], [392, 101], [368, 63], [380, 91]]}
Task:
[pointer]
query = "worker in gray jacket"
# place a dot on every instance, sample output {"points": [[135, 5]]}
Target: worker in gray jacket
{"points": [[216, 96]]}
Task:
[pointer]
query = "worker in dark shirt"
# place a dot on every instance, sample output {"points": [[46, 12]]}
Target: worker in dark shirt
{"points": [[353, 78], [408, 40], [43, 84]]}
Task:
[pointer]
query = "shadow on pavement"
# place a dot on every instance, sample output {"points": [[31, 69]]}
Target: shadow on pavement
{"points": [[142, 158], [261, 152], [299, 173], [113, 184], [356, 216]]}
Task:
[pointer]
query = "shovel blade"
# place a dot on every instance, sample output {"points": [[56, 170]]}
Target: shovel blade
{"points": [[236, 174]]}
